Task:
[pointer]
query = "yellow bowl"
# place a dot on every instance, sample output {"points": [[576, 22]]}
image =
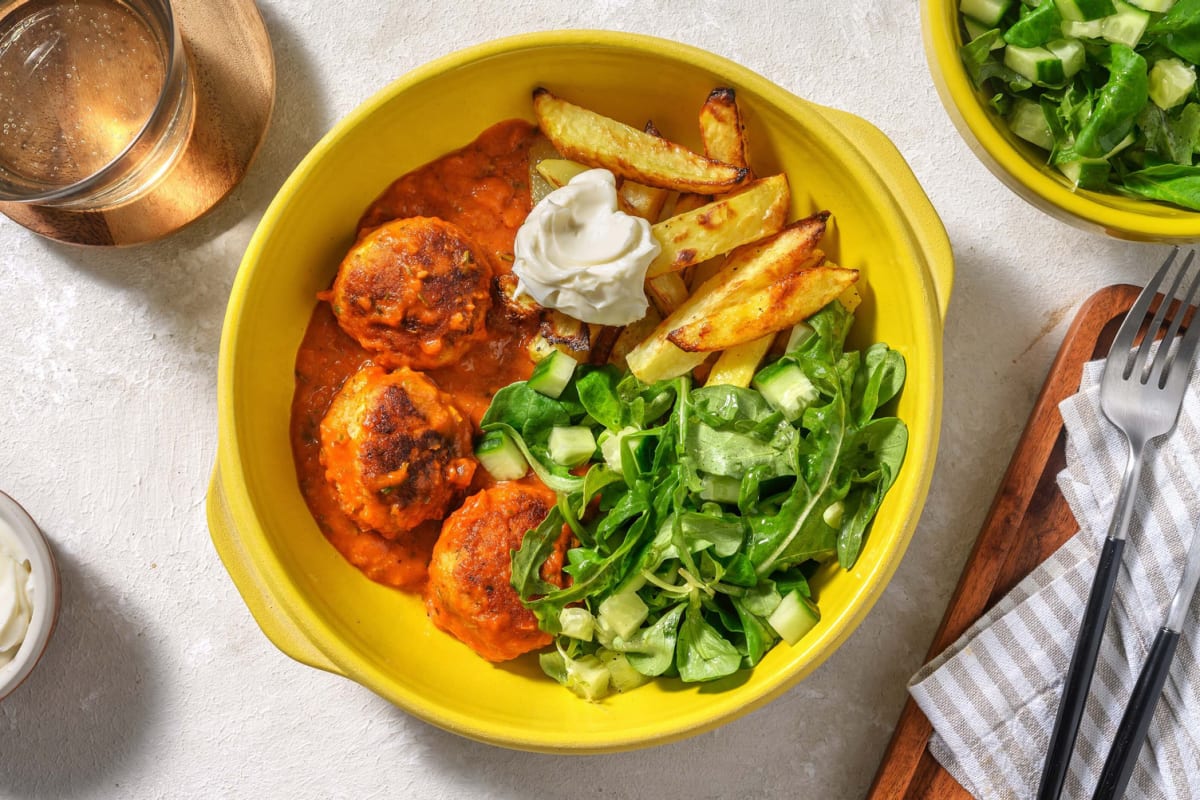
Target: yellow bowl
{"points": [[321, 611], [1021, 166]]}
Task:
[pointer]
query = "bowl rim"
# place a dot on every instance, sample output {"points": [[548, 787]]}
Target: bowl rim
{"points": [[36, 548], [1036, 185], [327, 650]]}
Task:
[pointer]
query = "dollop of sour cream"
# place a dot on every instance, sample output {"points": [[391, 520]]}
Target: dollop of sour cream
{"points": [[577, 252], [16, 596]]}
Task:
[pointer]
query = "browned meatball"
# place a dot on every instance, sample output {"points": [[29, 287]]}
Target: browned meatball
{"points": [[395, 449], [416, 291], [469, 593]]}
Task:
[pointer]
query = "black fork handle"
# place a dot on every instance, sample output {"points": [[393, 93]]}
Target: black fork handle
{"points": [[1079, 676], [1131, 734]]}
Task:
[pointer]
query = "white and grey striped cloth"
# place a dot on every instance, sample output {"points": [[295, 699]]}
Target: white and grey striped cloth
{"points": [[993, 694]]}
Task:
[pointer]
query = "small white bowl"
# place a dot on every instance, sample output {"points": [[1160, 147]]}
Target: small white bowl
{"points": [[46, 593]]}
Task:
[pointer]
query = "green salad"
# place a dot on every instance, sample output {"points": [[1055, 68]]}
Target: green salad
{"points": [[1107, 88], [697, 514]]}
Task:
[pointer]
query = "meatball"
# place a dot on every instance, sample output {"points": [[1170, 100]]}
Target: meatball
{"points": [[415, 291], [469, 593], [395, 449]]}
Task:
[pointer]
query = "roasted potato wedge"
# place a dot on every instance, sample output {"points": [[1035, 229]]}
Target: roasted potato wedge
{"points": [[598, 141], [764, 311], [737, 365], [559, 171], [747, 269], [711, 230], [722, 129]]}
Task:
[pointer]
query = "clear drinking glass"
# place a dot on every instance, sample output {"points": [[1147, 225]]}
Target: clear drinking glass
{"points": [[96, 100]]}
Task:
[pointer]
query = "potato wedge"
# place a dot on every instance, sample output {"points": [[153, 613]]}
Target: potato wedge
{"points": [[737, 365], [797, 296], [711, 230], [667, 292], [559, 171], [747, 269], [851, 298], [722, 129], [598, 141], [631, 335]]}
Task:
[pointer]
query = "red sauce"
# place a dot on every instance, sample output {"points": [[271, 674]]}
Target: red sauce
{"points": [[484, 189]]}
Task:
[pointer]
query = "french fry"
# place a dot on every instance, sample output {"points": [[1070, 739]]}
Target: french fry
{"points": [[631, 335], [851, 298], [737, 365], [722, 130], [559, 171], [772, 308], [598, 141], [716, 228], [750, 267], [667, 292]]}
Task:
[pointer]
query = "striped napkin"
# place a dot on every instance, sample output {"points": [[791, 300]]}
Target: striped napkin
{"points": [[993, 694]]}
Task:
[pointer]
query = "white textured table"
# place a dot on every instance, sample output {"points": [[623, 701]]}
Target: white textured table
{"points": [[159, 684]]}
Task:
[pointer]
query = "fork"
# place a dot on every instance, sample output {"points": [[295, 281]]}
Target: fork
{"points": [[1141, 394]]}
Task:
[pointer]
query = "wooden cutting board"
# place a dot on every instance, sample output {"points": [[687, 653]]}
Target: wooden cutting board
{"points": [[1028, 521]]}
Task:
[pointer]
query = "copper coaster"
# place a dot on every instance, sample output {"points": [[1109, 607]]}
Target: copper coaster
{"points": [[233, 72]]}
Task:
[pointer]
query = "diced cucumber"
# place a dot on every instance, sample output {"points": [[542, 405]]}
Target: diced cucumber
{"points": [[1126, 26], [623, 613], [1083, 29], [610, 446], [1072, 54], [1171, 81], [720, 488], [1157, 6], [621, 673], [1037, 27], [1028, 122], [833, 514], [1036, 63], [1086, 173], [786, 388], [1085, 9], [552, 374], [571, 445], [801, 333], [793, 617], [587, 677], [501, 457], [987, 12], [577, 622]]}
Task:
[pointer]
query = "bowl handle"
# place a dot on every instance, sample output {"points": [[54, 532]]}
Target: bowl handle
{"points": [[269, 614], [926, 225]]}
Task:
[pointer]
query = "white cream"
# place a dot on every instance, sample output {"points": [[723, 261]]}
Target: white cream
{"points": [[16, 595], [578, 253]]}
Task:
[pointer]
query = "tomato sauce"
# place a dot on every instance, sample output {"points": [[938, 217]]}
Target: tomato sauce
{"points": [[484, 189]]}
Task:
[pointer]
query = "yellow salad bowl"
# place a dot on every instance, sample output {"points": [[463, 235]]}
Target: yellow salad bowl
{"points": [[1020, 165], [319, 609]]}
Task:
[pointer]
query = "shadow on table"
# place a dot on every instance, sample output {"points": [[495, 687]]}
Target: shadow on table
{"points": [[83, 712]]}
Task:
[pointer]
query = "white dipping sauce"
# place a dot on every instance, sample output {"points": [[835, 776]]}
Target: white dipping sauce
{"points": [[578, 253], [16, 595]]}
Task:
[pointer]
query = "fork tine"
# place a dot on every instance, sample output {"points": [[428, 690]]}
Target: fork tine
{"points": [[1123, 342], [1165, 357], [1141, 368], [1171, 376]]}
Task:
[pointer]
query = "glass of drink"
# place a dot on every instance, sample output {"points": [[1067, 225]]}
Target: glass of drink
{"points": [[96, 100]]}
